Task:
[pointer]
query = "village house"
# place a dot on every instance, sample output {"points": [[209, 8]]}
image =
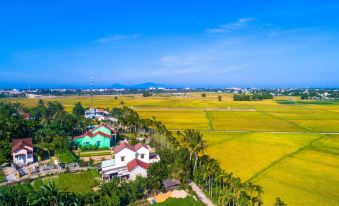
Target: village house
{"points": [[129, 162], [93, 113], [101, 136], [22, 151]]}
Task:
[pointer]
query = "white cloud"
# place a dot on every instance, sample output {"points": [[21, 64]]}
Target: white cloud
{"points": [[117, 37], [233, 26]]}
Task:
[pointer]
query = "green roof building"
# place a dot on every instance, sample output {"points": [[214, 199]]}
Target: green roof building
{"points": [[101, 136]]}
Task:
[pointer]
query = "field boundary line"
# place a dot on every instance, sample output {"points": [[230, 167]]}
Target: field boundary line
{"points": [[210, 123], [284, 157], [286, 120]]}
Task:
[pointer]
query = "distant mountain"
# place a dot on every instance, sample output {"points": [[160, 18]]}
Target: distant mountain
{"points": [[119, 86], [139, 86], [147, 85]]}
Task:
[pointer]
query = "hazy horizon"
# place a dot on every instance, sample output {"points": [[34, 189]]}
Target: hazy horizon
{"points": [[177, 44]]}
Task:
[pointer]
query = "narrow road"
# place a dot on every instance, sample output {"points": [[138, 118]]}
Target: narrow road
{"points": [[201, 195]]}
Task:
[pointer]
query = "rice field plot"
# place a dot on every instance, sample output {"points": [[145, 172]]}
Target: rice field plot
{"points": [[251, 121], [309, 177], [178, 119], [246, 154], [312, 120]]}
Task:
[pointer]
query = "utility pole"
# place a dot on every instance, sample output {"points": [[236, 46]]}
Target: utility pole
{"points": [[91, 87]]}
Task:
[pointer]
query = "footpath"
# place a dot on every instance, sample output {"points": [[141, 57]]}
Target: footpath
{"points": [[201, 195]]}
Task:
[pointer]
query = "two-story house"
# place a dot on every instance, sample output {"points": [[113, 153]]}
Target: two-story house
{"points": [[129, 161]]}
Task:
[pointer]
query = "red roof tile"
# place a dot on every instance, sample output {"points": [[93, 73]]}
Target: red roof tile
{"points": [[129, 146], [123, 146], [134, 163], [139, 145], [21, 143], [90, 134]]}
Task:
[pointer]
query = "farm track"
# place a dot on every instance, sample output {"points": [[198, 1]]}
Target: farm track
{"points": [[284, 158]]}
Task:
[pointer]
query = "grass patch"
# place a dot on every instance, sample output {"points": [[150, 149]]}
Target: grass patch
{"points": [[81, 182], [188, 201], [66, 157], [2, 177], [91, 154]]}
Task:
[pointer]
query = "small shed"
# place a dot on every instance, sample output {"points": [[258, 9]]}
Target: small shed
{"points": [[171, 184]]}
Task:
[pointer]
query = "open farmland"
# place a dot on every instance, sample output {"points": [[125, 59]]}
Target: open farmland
{"points": [[281, 146]]}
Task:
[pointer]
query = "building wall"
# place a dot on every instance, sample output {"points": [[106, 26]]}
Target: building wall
{"points": [[144, 151], [128, 154], [137, 171], [104, 142], [28, 156]]}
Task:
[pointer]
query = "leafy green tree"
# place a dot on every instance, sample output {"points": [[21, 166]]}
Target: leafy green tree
{"points": [[156, 174], [219, 97], [78, 109], [12, 196], [203, 94], [279, 202], [146, 94], [5, 151]]}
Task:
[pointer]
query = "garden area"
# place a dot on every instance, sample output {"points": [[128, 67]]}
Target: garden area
{"points": [[80, 182], [187, 201]]}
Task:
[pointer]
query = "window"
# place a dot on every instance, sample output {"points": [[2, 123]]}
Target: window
{"points": [[98, 143], [86, 143], [142, 156], [122, 158]]}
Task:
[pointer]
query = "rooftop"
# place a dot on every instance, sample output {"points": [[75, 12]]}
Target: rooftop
{"points": [[107, 163], [21, 143]]}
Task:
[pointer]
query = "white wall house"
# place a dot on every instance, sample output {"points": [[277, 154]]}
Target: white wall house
{"points": [[129, 162], [22, 151], [93, 113]]}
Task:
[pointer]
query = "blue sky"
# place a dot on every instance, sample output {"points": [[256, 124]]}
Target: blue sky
{"points": [[179, 43]]}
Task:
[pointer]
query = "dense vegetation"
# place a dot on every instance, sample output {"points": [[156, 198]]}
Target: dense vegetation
{"points": [[48, 123], [252, 97]]}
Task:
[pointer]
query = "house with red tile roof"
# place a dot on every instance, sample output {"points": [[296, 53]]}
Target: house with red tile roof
{"points": [[22, 151], [129, 161], [101, 136]]}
